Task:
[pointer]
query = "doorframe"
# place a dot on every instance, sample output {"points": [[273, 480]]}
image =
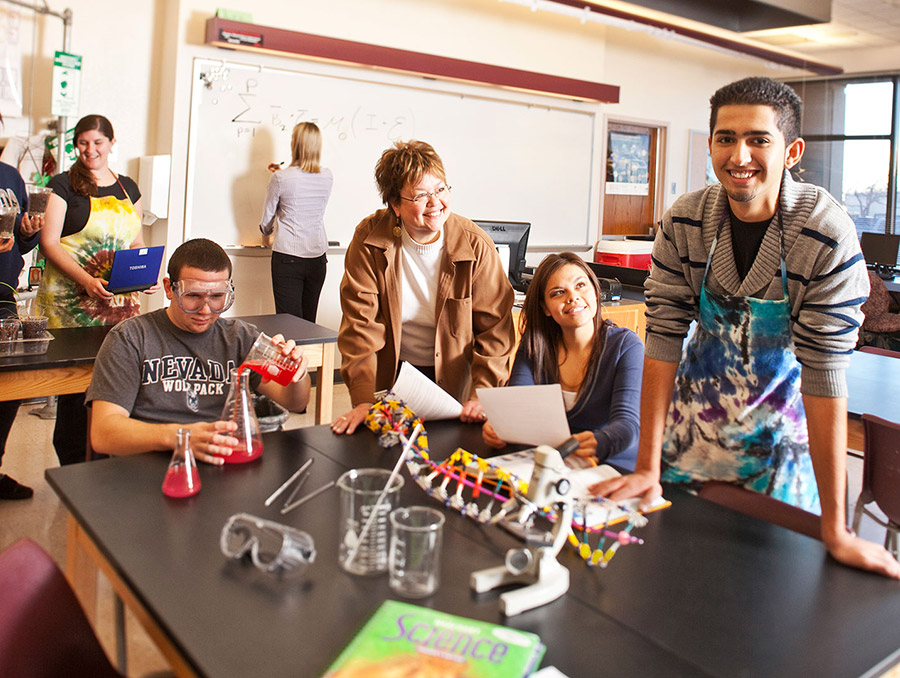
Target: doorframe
{"points": [[662, 141]]}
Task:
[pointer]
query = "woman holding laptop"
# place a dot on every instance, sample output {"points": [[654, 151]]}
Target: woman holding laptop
{"points": [[91, 213], [565, 341]]}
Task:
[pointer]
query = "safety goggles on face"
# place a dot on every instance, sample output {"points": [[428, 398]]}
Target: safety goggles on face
{"points": [[193, 295], [273, 547]]}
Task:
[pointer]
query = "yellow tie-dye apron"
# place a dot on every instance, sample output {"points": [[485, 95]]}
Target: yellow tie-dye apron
{"points": [[113, 225]]}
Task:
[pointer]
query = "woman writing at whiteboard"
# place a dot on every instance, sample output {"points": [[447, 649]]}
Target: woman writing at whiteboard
{"points": [[565, 341], [424, 285], [298, 196], [91, 213]]}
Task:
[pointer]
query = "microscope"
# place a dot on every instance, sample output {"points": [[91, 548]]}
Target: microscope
{"points": [[534, 565]]}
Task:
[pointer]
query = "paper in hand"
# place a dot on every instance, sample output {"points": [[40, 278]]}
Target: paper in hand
{"points": [[529, 415], [423, 396]]}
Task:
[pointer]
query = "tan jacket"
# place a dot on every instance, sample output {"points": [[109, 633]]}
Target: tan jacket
{"points": [[474, 333]]}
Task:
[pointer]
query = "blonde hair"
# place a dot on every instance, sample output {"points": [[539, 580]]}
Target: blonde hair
{"points": [[306, 147], [406, 162]]}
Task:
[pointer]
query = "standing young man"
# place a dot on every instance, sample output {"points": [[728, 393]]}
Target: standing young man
{"points": [[772, 272]]}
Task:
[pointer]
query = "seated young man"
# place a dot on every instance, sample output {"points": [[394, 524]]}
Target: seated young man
{"points": [[170, 368]]}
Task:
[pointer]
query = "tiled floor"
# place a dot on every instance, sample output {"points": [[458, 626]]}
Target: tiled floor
{"points": [[42, 518]]}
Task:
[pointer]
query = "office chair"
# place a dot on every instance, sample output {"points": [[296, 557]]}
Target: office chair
{"points": [[43, 630], [880, 327], [881, 477], [762, 506]]}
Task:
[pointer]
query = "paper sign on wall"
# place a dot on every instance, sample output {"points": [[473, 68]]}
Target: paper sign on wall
{"points": [[66, 85]]}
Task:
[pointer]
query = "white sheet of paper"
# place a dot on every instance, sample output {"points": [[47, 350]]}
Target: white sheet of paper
{"points": [[529, 415], [423, 396]]}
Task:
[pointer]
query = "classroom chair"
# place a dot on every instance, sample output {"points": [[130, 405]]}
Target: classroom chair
{"points": [[880, 327], [762, 506], [880, 351], [881, 477], [44, 633]]}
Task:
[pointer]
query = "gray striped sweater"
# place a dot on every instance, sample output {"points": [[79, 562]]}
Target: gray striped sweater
{"points": [[827, 278]]}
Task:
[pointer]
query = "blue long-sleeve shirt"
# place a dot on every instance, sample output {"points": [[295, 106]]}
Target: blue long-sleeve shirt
{"points": [[610, 408], [11, 262]]}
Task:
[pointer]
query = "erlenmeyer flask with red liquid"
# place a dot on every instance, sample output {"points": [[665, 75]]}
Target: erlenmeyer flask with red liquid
{"points": [[239, 409], [182, 478]]}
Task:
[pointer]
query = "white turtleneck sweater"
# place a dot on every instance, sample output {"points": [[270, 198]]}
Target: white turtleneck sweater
{"points": [[421, 267]]}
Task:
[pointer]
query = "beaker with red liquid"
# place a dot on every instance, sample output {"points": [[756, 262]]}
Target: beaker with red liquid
{"points": [[239, 409], [182, 478], [281, 372], [266, 358]]}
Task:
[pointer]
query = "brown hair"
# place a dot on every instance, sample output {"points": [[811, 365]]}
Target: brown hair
{"points": [[80, 177], [306, 147], [198, 253], [542, 338], [406, 162]]}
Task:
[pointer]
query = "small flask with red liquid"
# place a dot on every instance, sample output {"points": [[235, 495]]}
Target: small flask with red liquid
{"points": [[182, 478], [239, 409]]}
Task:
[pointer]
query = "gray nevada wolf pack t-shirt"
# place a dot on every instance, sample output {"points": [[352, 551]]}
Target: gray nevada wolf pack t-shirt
{"points": [[163, 374]]}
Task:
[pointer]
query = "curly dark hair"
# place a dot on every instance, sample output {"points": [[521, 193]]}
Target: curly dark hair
{"points": [[759, 91]]}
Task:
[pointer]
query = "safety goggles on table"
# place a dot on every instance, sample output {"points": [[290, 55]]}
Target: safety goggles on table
{"points": [[272, 547]]}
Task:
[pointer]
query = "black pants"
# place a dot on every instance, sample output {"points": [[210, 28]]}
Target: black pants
{"points": [[297, 283], [70, 433], [8, 410]]}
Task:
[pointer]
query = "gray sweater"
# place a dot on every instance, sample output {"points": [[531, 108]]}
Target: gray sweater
{"points": [[827, 277]]}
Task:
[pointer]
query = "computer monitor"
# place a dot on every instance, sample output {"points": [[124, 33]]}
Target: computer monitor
{"points": [[511, 240], [880, 249]]}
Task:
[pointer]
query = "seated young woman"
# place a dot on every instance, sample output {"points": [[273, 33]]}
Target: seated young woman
{"points": [[598, 365]]}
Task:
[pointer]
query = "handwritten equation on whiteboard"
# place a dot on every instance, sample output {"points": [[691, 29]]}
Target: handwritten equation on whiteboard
{"points": [[248, 111]]}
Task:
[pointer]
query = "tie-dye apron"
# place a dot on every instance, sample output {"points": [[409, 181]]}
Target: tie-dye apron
{"points": [[737, 412], [113, 225]]}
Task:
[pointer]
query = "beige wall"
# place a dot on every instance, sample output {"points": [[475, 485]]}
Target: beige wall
{"points": [[137, 71]]}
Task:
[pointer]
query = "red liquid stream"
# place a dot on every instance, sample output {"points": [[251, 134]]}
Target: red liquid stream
{"points": [[179, 482], [241, 455], [281, 372]]}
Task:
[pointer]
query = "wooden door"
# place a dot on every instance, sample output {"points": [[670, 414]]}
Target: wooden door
{"points": [[632, 179]]}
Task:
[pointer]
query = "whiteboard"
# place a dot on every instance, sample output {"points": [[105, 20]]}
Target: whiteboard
{"points": [[506, 158]]}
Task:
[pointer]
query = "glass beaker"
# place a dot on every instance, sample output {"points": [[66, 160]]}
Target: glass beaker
{"points": [[182, 478], [8, 214], [265, 357], [360, 491], [239, 409], [38, 197], [415, 555]]}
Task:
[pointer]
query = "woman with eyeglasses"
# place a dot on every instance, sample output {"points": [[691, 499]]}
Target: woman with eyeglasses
{"points": [[421, 285], [565, 341], [298, 196], [91, 213]]}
